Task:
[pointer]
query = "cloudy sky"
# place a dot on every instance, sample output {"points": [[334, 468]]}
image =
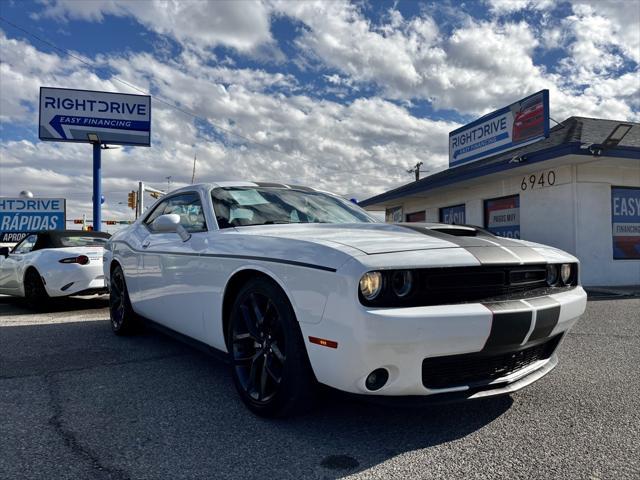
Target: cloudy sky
{"points": [[343, 96]]}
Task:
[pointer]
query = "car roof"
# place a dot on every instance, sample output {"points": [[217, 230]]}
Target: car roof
{"points": [[240, 183], [51, 238]]}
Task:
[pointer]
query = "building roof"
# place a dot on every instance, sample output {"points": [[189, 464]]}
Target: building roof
{"points": [[573, 136]]}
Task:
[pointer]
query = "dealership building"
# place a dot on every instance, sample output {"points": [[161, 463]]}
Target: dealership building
{"points": [[575, 186]]}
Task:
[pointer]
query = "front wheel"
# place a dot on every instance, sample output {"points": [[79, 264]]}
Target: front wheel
{"points": [[124, 321], [271, 370]]}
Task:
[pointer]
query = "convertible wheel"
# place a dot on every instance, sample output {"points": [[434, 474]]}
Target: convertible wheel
{"points": [[123, 319], [271, 370], [34, 291]]}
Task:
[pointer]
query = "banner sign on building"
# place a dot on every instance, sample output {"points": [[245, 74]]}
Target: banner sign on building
{"points": [[453, 215], [510, 127], [502, 216], [68, 115], [20, 216], [625, 219]]}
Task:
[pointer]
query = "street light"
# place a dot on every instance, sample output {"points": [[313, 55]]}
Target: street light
{"points": [[93, 138]]}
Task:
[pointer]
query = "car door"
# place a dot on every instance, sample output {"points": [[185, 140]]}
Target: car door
{"points": [[172, 269], [12, 267]]}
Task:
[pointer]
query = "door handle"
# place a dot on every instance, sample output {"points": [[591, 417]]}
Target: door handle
{"points": [[146, 243]]}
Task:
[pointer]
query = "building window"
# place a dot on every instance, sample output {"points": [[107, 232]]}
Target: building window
{"points": [[502, 216], [625, 222], [393, 215], [416, 216], [454, 215]]}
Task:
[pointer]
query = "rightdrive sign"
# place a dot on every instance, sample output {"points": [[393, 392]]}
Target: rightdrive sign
{"points": [[68, 115], [518, 124], [20, 216]]}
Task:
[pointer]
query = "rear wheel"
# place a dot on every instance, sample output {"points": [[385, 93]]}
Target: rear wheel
{"points": [[123, 319], [271, 370], [34, 290]]}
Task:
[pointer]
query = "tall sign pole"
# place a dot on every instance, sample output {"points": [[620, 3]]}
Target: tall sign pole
{"points": [[86, 116], [97, 187]]}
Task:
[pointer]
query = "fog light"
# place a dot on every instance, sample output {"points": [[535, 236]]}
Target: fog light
{"points": [[377, 379], [565, 273], [370, 285], [552, 275]]}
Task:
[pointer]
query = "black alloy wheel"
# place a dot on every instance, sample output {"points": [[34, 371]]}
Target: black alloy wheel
{"points": [[123, 319], [271, 370], [34, 291], [258, 345]]}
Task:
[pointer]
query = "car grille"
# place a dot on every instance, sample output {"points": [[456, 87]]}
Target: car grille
{"points": [[480, 368], [441, 286]]}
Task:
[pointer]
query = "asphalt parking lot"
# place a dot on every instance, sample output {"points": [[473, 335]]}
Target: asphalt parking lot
{"points": [[78, 402]]}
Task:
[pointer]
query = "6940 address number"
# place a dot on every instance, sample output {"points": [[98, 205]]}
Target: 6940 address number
{"points": [[538, 180]]}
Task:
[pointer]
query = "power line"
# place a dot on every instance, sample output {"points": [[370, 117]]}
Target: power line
{"points": [[161, 100]]}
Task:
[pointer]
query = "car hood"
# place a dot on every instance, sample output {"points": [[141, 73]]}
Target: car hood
{"points": [[377, 238]]}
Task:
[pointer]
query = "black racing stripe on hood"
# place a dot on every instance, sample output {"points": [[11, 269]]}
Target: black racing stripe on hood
{"points": [[487, 248], [547, 316], [510, 324]]}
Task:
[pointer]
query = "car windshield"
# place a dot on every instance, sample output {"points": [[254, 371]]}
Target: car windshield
{"points": [[244, 206], [82, 241]]}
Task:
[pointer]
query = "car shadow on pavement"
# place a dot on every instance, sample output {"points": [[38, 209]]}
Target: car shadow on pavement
{"points": [[19, 306], [149, 406]]}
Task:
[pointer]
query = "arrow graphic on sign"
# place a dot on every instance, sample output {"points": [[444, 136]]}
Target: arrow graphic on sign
{"points": [[58, 121]]}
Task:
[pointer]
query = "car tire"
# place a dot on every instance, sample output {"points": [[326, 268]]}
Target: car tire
{"points": [[270, 367], [124, 320], [35, 293]]}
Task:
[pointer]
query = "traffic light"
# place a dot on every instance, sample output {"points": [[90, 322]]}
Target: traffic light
{"points": [[77, 221], [111, 222], [132, 200], [155, 194]]}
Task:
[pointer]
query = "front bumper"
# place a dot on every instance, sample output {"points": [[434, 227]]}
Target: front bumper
{"points": [[400, 339]]}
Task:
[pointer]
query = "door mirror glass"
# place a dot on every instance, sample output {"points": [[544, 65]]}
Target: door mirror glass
{"points": [[170, 223], [4, 252], [167, 223]]}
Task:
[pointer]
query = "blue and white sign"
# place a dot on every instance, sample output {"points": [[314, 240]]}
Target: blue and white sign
{"points": [[116, 118], [518, 124], [625, 219], [453, 215], [20, 216]]}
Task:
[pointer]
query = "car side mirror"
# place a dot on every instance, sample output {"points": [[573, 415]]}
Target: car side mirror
{"points": [[170, 223], [4, 251]]}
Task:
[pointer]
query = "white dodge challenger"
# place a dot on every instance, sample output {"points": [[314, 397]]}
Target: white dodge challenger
{"points": [[54, 263], [299, 287]]}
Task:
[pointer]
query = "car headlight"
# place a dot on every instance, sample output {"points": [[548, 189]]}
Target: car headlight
{"points": [[552, 274], [565, 272], [371, 285], [402, 282]]}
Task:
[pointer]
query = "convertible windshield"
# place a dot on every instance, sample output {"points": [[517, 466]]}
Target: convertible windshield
{"points": [[244, 206], [82, 241]]}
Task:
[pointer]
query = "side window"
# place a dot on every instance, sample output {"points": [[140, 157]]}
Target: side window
{"points": [[26, 245], [188, 206], [159, 210]]}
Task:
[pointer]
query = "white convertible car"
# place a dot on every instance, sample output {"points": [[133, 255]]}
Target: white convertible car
{"points": [[300, 287], [54, 263]]}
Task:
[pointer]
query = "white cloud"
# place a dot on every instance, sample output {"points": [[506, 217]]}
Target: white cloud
{"points": [[502, 7], [243, 25], [355, 149]]}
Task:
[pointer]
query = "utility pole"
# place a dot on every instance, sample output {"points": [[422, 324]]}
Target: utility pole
{"points": [[416, 170], [140, 202], [193, 175]]}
